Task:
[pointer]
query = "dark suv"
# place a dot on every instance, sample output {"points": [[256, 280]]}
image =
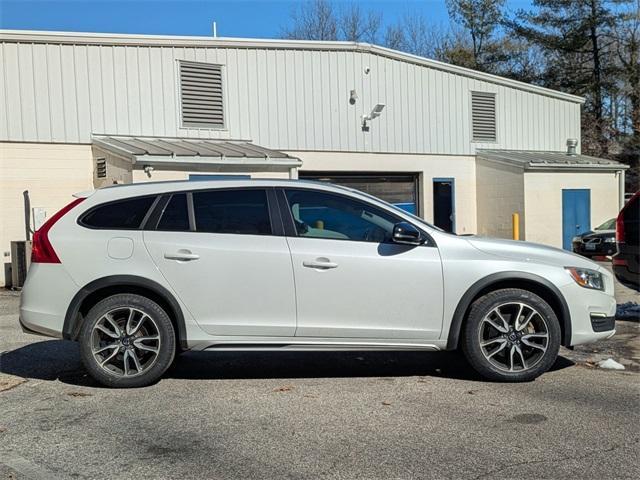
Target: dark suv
{"points": [[626, 262]]}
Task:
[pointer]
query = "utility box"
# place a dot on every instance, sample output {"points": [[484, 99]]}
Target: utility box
{"points": [[20, 261]]}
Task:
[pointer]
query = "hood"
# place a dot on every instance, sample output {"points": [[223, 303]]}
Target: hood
{"points": [[530, 252], [598, 233]]}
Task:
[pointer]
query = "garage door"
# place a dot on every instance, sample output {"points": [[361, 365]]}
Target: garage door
{"points": [[400, 190]]}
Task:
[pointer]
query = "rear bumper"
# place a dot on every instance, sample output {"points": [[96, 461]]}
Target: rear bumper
{"points": [[45, 297], [625, 267], [627, 277]]}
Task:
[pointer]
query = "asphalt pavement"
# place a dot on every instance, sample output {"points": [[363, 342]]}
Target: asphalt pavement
{"points": [[377, 415]]}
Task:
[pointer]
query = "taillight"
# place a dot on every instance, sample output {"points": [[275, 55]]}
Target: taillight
{"points": [[620, 227], [41, 249]]}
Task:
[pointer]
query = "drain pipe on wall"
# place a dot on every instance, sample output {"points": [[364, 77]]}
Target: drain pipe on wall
{"points": [[27, 215], [620, 189]]}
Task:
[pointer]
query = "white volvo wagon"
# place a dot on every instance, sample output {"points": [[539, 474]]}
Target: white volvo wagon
{"points": [[138, 273]]}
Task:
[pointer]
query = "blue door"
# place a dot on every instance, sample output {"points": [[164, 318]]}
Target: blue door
{"points": [[576, 214]]}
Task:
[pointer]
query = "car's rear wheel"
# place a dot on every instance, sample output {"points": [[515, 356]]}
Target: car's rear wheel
{"points": [[127, 340], [511, 335]]}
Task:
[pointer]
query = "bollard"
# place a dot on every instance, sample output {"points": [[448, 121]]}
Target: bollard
{"points": [[515, 220]]}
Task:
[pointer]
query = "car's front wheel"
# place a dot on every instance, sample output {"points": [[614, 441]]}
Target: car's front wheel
{"points": [[127, 340], [511, 335]]}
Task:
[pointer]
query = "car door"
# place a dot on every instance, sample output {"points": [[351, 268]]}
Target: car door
{"points": [[351, 280], [218, 251]]}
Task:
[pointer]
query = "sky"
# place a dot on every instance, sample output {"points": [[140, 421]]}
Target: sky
{"points": [[234, 18]]}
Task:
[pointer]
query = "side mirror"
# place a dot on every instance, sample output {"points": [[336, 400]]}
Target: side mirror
{"points": [[407, 234]]}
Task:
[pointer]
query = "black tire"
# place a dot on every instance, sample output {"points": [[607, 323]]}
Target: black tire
{"points": [[476, 328], [160, 327]]}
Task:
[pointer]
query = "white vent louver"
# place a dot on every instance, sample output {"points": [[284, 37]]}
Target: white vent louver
{"points": [[101, 168], [201, 95], [483, 116]]}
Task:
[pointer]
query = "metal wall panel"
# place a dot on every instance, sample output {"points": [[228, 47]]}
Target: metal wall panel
{"points": [[287, 99]]}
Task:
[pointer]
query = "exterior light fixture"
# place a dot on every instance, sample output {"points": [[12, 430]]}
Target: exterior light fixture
{"points": [[375, 113]]}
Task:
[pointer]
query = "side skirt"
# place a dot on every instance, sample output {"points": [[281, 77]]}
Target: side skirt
{"points": [[315, 346]]}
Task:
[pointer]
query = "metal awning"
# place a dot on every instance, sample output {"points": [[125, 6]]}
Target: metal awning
{"points": [[195, 153], [532, 160]]}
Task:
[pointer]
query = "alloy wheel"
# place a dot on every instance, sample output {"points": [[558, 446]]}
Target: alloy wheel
{"points": [[125, 342], [513, 337]]}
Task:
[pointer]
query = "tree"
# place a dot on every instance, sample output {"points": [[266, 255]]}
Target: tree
{"points": [[394, 37], [480, 18], [319, 20], [358, 26], [575, 37], [626, 34], [313, 20]]}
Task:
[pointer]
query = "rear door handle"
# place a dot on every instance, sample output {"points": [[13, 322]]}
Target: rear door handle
{"points": [[182, 255], [320, 264]]}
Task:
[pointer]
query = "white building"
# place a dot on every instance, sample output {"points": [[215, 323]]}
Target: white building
{"points": [[463, 149]]}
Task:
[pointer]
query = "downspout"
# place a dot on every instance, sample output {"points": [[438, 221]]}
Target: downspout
{"points": [[620, 189]]}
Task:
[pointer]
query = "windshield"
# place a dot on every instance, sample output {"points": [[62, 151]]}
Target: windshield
{"points": [[608, 225]]}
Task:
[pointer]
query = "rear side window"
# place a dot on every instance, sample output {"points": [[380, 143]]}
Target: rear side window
{"points": [[120, 215], [232, 211], [175, 217]]}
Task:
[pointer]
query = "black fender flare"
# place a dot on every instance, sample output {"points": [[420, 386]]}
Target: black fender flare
{"points": [[72, 322], [502, 277]]}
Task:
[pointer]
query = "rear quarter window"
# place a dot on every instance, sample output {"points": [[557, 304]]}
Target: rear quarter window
{"points": [[175, 217], [120, 215]]}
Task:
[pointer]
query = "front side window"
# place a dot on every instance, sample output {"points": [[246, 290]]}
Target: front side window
{"points": [[119, 215], [324, 215], [232, 211]]}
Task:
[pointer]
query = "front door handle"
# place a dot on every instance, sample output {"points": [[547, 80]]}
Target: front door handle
{"points": [[320, 264], [182, 256]]}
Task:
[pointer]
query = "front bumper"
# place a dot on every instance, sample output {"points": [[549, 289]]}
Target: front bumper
{"points": [[600, 249], [592, 312]]}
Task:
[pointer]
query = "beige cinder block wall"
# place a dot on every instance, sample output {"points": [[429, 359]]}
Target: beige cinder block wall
{"points": [[461, 168], [50, 172], [500, 194], [118, 169], [543, 201]]}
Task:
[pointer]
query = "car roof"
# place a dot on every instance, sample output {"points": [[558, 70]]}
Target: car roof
{"points": [[121, 191]]}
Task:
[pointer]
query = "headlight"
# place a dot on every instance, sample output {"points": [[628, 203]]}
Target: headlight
{"points": [[586, 278], [610, 240], [576, 239]]}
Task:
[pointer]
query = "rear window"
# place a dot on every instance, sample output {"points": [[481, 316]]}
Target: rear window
{"points": [[232, 211], [120, 215], [175, 217]]}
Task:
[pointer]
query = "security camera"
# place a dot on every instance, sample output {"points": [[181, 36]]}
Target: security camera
{"points": [[353, 96], [148, 169], [366, 70]]}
